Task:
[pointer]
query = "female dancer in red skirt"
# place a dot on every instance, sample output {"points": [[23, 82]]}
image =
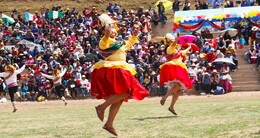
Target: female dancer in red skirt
{"points": [[173, 73], [113, 79]]}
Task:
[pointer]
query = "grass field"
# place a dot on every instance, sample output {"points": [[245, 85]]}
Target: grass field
{"points": [[231, 115], [40, 5]]}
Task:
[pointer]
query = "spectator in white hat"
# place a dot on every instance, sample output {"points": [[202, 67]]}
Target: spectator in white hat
{"points": [[85, 86]]}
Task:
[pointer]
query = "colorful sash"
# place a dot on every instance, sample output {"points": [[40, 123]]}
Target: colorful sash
{"points": [[170, 57], [109, 51]]}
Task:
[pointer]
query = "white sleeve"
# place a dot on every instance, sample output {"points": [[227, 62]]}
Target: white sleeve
{"points": [[63, 71], [48, 76], [4, 86], [20, 70], [4, 74]]}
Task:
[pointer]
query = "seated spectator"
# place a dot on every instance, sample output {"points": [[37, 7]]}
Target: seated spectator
{"points": [[206, 47], [229, 55], [219, 54], [206, 83], [192, 70], [85, 86], [226, 81], [214, 79], [221, 45], [251, 55], [224, 68], [211, 56], [72, 87]]}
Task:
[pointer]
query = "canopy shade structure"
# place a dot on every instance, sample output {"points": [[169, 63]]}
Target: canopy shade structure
{"points": [[199, 18]]}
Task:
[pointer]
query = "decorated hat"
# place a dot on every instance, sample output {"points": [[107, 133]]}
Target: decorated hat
{"points": [[254, 28], [169, 37], [105, 19]]}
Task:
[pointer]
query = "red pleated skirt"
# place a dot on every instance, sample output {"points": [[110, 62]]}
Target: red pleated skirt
{"points": [[174, 73], [109, 81]]}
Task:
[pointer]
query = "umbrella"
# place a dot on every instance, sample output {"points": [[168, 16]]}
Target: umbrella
{"points": [[166, 3], [220, 61], [232, 32], [194, 47], [190, 38]]}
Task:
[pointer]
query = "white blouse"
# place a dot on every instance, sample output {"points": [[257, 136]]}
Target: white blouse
{"points": [[63, 71], [13, 78]]}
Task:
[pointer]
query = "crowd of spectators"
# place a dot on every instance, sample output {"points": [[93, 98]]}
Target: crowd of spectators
{"points": [[72, 42]]}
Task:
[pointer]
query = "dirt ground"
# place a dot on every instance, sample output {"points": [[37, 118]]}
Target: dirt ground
{"points": [[22, 106]]}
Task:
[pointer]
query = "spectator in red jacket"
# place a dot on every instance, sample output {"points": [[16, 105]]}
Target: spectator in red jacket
{"points": [[211, 56]]}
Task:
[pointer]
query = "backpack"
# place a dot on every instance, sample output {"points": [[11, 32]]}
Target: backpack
{"points": [[219, 90]]}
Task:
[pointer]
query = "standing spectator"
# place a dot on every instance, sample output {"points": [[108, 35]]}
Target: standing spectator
{"points": [[242, 42], [204, 5], [116, 8], [110, 8], [230, 3], [161, 10], [24, 91], [186, 5], [198, 5], [176, 6], [216, 4]]}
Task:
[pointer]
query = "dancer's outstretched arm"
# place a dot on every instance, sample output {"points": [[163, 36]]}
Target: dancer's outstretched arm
{"points": [[20, 70], [4, 74], [48, 76]]}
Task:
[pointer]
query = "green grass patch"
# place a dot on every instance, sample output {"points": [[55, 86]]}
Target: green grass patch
{"points": [[198, 117]]}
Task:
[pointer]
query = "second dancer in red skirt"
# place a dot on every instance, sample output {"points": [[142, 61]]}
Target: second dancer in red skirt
{"points": [[174, 73]]}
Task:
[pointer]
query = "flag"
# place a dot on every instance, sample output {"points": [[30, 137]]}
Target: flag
{"points": [[29, 17], [7, 19], [55, 14]]}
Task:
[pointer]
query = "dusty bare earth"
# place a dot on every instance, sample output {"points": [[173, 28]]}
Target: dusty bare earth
{"points": [[23, 106]]}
